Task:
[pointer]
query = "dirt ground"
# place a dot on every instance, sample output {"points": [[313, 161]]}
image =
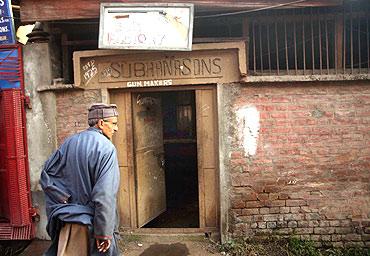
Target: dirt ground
{"points": [[154, 246], [168, 246]]}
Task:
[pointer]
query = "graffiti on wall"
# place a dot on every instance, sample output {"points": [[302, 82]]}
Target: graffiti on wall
{"points": [[248, 119], [89, 71]]}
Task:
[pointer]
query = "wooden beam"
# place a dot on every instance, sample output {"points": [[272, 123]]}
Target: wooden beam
{"points": [[47, 10]]}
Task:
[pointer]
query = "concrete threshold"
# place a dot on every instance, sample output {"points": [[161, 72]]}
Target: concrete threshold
{"points": [[168, 244], [169, 237]]}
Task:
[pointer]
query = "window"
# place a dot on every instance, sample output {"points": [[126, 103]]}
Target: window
{"points": [[310, 42]]}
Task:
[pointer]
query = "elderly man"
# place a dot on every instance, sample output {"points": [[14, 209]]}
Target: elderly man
{"points": [[81, 180]]}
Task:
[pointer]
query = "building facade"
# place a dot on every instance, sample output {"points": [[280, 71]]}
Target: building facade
{"points": [[261, 129]]}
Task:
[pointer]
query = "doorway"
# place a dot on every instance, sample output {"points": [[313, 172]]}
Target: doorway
{"points": [[171, 172], [167, 152]]}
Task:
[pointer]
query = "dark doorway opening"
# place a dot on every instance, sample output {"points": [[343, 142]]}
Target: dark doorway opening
{"points": [[181, 165]]}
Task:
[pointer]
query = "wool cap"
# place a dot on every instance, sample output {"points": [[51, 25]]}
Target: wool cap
{"points": [[102, 111]]}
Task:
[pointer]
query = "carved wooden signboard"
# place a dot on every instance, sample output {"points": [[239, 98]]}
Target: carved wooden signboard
{"points": [[206, 64]]}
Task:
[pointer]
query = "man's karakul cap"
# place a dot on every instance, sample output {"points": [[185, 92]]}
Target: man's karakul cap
{"points": [[102, 111]]}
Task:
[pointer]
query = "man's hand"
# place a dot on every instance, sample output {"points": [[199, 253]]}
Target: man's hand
{"points": [[103, 245]]}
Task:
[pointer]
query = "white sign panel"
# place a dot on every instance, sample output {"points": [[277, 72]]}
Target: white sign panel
{"points": [[146, 26]]}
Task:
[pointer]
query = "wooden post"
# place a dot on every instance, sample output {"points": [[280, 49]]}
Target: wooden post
{"points": [[65, 57]]}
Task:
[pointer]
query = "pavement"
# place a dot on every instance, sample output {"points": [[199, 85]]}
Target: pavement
{"points": [[153, 246]]}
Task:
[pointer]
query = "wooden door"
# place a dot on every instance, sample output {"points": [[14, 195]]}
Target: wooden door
{"points": [[149, 156], [207, 157], [124, 144]]}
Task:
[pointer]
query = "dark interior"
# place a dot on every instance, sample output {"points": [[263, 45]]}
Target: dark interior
{"points": [[181, 171]]}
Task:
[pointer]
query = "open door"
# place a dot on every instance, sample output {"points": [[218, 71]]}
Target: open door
{"points": [[149, 156], [207, 158]]}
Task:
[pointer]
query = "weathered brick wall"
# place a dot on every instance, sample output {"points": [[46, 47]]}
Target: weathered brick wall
{"points": [[72, 106], [310, 172]]}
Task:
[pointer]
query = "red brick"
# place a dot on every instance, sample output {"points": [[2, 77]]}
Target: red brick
{"points": [[284, 231], [264, 210], [352, 237], [261, 224], [324, 153], [292, 224], [75, 119], [251, 196], [365, 237], [237, 203], [237, 155], [279, 115], [343, 230], [263, 196], [253, 204], [303, 230], [271, 217], [269, 108], [303, 224], [276, 203], [274, 210], [272, 188], [283, 196], [252, 211], [324, 231], [296, 203], [276, 99], [271, 225]]}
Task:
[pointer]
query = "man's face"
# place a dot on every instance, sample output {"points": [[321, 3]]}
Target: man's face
{"points": [[108, 126]]}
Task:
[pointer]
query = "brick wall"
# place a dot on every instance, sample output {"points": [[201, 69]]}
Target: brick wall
{"points": [[72, 111], [310, 172]]}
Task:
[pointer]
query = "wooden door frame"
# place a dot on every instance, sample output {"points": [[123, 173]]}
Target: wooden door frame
{"points": [[127, 124]]}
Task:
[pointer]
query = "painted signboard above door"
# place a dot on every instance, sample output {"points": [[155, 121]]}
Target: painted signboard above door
{"points": [[153, 26], [206, 64]]}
